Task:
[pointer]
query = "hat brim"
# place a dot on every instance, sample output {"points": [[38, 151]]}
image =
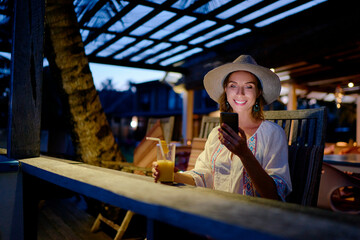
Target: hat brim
{"points": [[270, 82]]}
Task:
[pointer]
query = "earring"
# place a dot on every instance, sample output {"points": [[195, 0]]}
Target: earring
{"points": [[227, 105], [256, 107]]}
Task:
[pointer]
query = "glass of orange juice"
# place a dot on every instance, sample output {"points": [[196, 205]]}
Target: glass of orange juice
{"points": [[166, 161]]}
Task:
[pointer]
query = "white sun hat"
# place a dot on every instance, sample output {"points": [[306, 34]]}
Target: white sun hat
{"points": [[270, 82]]}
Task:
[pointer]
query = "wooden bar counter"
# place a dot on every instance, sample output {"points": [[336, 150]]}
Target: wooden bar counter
{"points": [[217, 214]]}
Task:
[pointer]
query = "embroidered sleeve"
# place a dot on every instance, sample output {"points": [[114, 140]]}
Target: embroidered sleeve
{"points": [[281, 187], [275, 160], [199, 178]]}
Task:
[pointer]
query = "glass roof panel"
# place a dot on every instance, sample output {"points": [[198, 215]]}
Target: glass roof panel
{"points": [[181, 22], [130, 18], [97, 42], [181, 56], [210, 6], [264, 10], [82, 6], [192, 31], [237, 8], [108, 11], [212, 34], [84, 34], [228, 37], [289, 13], [153, 23], [151, 51], [116, 46], [181, 4], [166, 54], [134, 49], [170, 27], [157, 1]]}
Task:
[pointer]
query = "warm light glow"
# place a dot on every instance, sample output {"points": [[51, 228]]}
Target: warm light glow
{"points": [[285, 99], [134, 122], [341, 144], [312, 101], [284, 78], [339, 94], [350, 84], [330, 97], [284, 75]]}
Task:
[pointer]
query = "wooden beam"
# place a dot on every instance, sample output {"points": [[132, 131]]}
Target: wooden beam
{"points": [[26, 79], [292, 104]]}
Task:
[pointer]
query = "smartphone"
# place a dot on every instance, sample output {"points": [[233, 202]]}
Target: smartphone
{"points": [[230, 119]]}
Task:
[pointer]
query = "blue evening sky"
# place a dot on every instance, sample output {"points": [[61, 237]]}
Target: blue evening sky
{"points": [[120, 76]]}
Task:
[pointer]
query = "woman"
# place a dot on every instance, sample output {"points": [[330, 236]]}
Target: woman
{"points": [[254, 161]]}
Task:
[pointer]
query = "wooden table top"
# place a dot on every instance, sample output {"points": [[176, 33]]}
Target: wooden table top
{"points": [[345, 159], [218, 214]]}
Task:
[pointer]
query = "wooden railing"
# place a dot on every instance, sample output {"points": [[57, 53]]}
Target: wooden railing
{"points": [[217, 214]]}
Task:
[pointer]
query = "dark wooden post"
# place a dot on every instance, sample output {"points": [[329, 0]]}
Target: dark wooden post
{"points": [[26, 79], [25, 97]]}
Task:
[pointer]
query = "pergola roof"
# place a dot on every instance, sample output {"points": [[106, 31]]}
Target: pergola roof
{"points": [[316, 43]]}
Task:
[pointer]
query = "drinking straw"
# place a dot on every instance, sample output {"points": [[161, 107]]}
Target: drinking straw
{"points": [[161, 148]]}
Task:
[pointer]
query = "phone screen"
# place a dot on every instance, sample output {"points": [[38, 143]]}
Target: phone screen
{"points": [[230, 119]]}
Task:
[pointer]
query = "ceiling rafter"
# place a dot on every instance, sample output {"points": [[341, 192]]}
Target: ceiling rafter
{"points": [[93, 35], [324, 37], [89, 14]]}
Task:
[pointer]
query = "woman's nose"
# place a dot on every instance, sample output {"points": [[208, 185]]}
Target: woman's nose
{"points": [[240, 91]]}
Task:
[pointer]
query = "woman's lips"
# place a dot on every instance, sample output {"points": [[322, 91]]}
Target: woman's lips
{"points": [[240, 102]]}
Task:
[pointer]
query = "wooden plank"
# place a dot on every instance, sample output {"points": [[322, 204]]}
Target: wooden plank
{"points": [[217, 214], [62, 219], [26, 80]]}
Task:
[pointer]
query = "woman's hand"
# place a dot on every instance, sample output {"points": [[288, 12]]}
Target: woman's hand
{"points": [[236, 143], [155, 171]]}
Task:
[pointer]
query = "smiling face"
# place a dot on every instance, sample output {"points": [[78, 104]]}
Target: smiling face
{"points": [[241, 91]]}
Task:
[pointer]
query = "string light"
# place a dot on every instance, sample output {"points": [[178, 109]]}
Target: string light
{"points": [[350, 84], [339, 94]]}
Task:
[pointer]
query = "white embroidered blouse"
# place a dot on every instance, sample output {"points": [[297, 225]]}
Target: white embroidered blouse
{"points": [[215, 169]]}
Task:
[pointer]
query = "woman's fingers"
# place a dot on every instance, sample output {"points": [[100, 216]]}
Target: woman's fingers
{"points": [[242, 133], [155, 171]]}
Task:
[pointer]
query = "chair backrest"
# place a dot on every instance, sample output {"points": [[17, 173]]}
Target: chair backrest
{"points": [[167, 125], [207, 124], [305, 131], [197, 146]]}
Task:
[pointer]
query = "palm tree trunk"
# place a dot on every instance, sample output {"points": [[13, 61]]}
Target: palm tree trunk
{"points": [[91, 135]]}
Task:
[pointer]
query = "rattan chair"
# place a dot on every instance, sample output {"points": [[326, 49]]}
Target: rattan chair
{"points": [[305, 131]]}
